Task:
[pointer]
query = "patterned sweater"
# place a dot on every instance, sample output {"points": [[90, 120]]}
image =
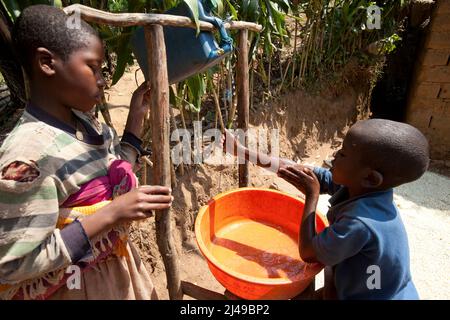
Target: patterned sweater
{"points": [[30, 243]]}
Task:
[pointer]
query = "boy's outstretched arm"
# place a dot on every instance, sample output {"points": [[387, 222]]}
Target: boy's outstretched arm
{"points": [[306, 181], [232, 146]]}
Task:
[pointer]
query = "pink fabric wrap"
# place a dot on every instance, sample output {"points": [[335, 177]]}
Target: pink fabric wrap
{"points": [[119, 180]]}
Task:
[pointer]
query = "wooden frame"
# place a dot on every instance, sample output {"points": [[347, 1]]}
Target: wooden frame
{"points": [[243, 101], [160, 118], [142, 19]]}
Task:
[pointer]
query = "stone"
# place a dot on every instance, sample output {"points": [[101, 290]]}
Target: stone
{"points": [[445, 91], [435, 74], [435, 57], [428, 90], [439, 40]]}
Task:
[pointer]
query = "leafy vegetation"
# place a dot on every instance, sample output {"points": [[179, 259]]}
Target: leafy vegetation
{"points": [[302, 41]]}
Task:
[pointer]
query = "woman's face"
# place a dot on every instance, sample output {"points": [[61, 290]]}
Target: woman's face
{"points": [[80, 77]]}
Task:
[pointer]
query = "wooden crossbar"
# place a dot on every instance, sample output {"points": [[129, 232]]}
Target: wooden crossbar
{"points": [[141, 19]]}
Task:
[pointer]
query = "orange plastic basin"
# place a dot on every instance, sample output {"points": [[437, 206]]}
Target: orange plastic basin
{"points": [[249, 237]]}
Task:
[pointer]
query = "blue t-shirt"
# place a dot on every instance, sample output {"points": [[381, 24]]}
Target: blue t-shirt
{"points": [[366, 243]]}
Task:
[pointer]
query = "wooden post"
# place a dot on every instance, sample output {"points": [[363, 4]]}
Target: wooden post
{"points": [[243, 98], [159, 85]]}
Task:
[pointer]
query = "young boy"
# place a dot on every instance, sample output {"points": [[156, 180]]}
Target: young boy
{"points": [[59, 157], [366, 243]]}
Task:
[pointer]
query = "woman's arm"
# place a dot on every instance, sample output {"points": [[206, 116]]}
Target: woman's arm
{"points": [[31, 246], [139, 106], [137, 204], [131, 143]]}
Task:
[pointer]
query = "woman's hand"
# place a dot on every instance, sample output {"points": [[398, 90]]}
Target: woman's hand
{"points": [[140, 100], [134, 205], [139, 203], [139, 106], [303, 178]]}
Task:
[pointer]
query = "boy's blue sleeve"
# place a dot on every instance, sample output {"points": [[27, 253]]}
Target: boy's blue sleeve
{"points": [[341, 240], [326, 181]]}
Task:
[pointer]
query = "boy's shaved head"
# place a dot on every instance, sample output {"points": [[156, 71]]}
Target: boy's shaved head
{"points": [[48, 27], [397, 150]]}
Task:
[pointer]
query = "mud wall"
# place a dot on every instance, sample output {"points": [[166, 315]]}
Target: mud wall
{"points": [[429, 100]]}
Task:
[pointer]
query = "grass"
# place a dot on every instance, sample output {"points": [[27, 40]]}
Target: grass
{"points": [[2, 80]]}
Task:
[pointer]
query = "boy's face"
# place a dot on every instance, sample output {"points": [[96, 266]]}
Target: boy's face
{"points": [[347, 168], [79, 79]]}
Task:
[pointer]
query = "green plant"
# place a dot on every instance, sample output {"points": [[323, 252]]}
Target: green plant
{"points": [[389, 43], [14, 8], [328, 34], [335, 31]]}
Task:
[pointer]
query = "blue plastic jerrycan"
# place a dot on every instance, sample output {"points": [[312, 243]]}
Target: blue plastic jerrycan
{"points": [[187, 53]]}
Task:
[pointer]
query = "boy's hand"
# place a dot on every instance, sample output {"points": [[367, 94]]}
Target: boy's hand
{"points": [[285, 163], [140, 101], [139, 203], [303, 178]]}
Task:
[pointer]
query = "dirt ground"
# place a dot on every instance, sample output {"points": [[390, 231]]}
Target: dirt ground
{"points": [[310, 129]]}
